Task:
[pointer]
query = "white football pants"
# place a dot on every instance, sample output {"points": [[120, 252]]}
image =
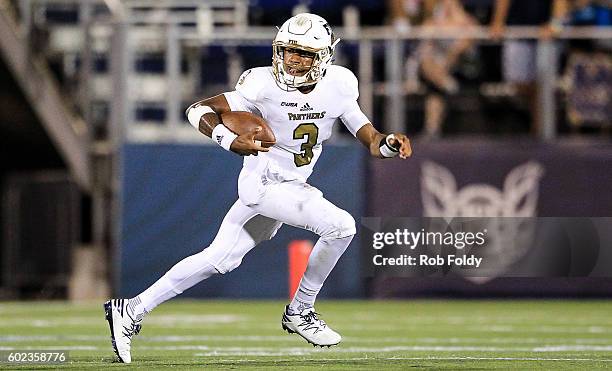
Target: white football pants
{"points": [[290, 202]]}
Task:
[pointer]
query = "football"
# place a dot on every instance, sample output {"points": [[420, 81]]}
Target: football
{"points": [[242, 122]]}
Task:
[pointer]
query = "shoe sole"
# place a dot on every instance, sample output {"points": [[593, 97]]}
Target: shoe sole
{"points": [[286, 328], [108, 314]]}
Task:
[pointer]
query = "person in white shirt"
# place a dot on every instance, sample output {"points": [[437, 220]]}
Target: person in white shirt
{"points": [[300, 96]]}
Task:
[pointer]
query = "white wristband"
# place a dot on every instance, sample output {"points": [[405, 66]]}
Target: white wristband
{"points": [[386, 149], [195, 114], [223, 136]]}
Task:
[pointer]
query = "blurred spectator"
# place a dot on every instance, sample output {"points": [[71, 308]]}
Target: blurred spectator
{"points": [[589, 13], [519, 56], [403, 13], [588, 72], [439, 58], [271, 12]]}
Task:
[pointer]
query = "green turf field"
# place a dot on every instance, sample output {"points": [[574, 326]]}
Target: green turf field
{"points": [[377, 335]]}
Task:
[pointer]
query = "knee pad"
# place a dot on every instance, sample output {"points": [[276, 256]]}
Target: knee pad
{"points": [[223, 261], [343, 225]]}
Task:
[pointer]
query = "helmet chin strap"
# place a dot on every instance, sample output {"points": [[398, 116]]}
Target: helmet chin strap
{"points": [[290, 81]]}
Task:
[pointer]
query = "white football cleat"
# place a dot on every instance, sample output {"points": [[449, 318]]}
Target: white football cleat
{"points": [[122, 327], [308, 325]]}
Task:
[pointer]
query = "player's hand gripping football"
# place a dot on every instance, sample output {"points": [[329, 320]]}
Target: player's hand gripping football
{"points": [[402, 143], [246, 145]]}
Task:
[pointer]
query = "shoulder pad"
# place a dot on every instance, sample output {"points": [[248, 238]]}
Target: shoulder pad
{"points": [[345, 80], [251, 82]]}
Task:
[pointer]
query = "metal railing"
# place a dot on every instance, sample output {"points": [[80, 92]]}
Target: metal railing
{"points": [[180, 35], [394, 43]]}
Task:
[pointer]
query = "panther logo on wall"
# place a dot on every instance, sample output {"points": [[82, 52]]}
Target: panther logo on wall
{"points": [[442, 198], [507, 213]]}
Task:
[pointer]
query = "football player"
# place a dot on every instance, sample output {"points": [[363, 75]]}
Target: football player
{"points": [[300, 96]]}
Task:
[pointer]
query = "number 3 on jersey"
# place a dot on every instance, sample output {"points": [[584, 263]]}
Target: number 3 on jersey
{"points": [[312, 132]]}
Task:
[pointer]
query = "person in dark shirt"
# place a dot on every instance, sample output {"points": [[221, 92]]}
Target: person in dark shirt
{"points": [[439, 59], [519, 56]]}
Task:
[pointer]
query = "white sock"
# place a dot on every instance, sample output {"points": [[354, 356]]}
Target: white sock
{"points": [[183, 275], [304, 297], [322, 260], [135, 309]]}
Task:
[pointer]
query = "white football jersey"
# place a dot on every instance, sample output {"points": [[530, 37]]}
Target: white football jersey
{"points": [[300, 122]]}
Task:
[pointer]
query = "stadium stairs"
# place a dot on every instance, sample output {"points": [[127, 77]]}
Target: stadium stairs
{"points": [[68, 131]]}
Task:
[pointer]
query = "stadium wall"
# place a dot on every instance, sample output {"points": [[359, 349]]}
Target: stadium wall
{"points": [[175, 197], [565, 178]]}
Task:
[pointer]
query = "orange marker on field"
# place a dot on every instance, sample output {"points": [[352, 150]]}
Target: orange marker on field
{"points": [[299, 251]]}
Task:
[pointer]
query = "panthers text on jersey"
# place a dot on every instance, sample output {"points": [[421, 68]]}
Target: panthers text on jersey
{"points": [[300, 122]]}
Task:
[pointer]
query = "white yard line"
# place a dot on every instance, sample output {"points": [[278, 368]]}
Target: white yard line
{"points": [[306, 349], [499, 359], [54, 347], [541, 342], [196, 319], [216, 351], [161, 320], [574, 348], [518, 359]]}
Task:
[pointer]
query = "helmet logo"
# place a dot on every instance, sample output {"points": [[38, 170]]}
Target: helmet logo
{"points": [[302, 20], [293, 42], [300, 26]]}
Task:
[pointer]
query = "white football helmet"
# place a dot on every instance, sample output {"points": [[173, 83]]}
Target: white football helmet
{"points": [[310, 33]]}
